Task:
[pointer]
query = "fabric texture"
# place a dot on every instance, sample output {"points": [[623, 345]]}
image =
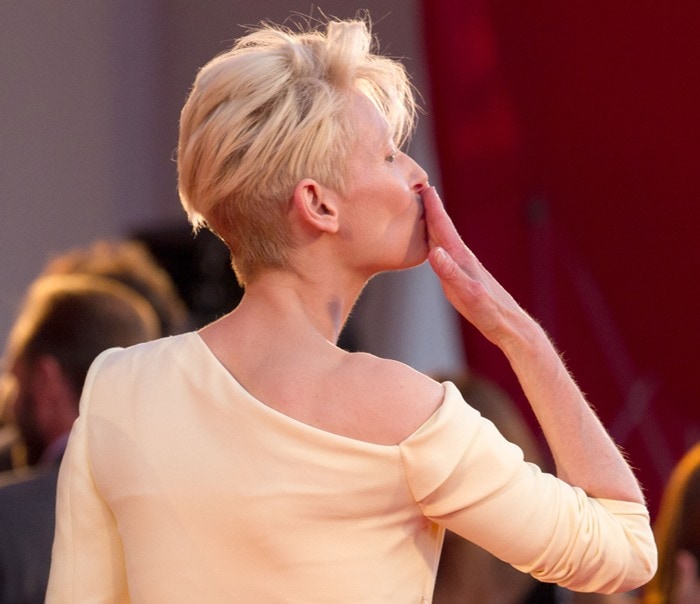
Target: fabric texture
{"points": [[179, 479]]}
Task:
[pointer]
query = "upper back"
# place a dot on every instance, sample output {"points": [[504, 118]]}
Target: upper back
{"points": [[181, 443], [357, 395], [374, 399]]}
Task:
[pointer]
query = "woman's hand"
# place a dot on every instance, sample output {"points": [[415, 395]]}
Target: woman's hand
{"points": [[469, 287]]}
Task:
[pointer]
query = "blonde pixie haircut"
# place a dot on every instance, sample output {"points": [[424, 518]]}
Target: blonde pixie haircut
{"points": [[268, 113]]}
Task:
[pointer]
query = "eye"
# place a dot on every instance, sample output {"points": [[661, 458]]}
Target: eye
{"points": [[391, 158]]}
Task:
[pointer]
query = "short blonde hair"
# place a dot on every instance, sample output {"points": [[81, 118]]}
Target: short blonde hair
{"points": [[272, 111]]}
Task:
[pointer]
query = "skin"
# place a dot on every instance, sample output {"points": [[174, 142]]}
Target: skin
{"points": [[687, 587], [45, 404], [25, 409], [287, 324], [384, 225]]}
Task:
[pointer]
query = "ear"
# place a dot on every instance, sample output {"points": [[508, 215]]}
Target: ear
{"points": [[316, 206]]}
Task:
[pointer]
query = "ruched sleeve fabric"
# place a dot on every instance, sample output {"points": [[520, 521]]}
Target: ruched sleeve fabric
{"points": [[468, 478]]}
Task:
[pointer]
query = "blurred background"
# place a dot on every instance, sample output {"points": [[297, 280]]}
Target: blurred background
{"points": [[563, 137]]}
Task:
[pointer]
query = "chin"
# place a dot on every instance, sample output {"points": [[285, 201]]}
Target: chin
{"points": [[416, 258]]}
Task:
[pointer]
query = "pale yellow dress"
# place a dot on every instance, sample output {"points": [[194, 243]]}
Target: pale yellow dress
{"points": [[179, 486]]}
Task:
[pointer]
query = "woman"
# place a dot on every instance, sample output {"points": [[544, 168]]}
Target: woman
{"points": [[678, 535], [254, 460]]}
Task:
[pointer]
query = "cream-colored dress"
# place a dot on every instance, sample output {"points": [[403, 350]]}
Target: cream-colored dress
{"points": [[179, 486]]}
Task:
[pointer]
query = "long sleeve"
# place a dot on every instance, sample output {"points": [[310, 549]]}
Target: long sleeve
{"points": [[468, 478], [87, 559]]}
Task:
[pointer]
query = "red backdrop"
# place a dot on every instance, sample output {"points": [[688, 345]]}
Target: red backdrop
{"points": [[569, 143]]}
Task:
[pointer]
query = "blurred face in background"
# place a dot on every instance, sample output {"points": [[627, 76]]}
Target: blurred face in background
{"points": [[22, 397]]}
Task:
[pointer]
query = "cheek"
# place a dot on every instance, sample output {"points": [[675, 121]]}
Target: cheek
{"points": [[21, 406]]}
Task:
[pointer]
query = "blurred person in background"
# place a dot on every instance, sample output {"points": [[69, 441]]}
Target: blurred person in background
{"points": [[677, 530], [128, 262], [63, 324], [131, 263]]}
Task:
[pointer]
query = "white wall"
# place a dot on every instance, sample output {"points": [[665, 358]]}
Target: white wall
{"points": [[77, 131], [89, 100]]}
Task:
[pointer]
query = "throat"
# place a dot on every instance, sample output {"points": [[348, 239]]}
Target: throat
{"points": [[337, 316]]}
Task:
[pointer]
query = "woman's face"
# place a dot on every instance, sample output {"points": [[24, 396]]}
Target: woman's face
{"points": [[382, 210]]}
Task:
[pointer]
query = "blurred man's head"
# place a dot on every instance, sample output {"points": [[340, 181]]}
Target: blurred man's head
{"points": [[130, 263], [63, 324]]}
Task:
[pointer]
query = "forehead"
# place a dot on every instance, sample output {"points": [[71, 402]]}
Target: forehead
{"points": [[370, 126]]}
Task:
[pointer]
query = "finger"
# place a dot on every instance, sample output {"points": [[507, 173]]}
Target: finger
{"points": [[459, 288], [443, 264], [441, 229]]}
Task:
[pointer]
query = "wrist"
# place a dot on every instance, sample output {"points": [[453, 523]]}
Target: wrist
{"points": [[524, 337]]}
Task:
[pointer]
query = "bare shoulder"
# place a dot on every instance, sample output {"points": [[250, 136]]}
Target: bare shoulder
{"points": [[394, 400]]}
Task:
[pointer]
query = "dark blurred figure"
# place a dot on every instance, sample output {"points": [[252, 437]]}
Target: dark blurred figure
{"points": [[677, 530], [199, 265], [64, 323]]}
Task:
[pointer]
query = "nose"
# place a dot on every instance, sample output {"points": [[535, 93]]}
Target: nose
{"points": [[418, 176]]}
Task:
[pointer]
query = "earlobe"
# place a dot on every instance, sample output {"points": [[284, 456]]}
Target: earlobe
{"points": [[316, 205]]}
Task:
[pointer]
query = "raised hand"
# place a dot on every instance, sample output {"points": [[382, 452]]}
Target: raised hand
{"points": [[469, 287]]}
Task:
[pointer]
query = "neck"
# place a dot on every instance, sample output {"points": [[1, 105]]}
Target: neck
{"points": [[322, 306]]}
